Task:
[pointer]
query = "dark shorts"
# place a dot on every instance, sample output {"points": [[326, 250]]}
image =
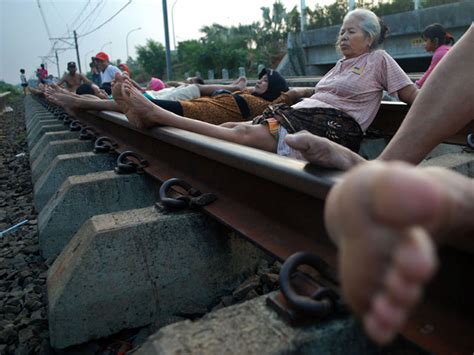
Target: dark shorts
{"points": [[107, 87], [24, 85], [169, 105], [325, 122]]}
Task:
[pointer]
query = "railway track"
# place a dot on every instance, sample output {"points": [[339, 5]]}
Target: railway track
{"points": [[274, 202]]}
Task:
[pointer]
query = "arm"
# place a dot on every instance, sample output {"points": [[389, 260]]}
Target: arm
{"points": [[61, 82], [295, 94], [85, 79], [408, 94]]}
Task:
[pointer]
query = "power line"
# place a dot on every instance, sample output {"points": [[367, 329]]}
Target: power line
{"points": [[97, 14], [110, 19], [88, 17], [44, 19], [79, 15]]}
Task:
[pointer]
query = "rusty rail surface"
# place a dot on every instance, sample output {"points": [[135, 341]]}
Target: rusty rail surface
{"points": [[277, 203], [392, 114]]}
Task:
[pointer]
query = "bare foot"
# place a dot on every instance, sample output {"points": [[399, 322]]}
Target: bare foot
{"points": [[322, 151], [383, 217], [140, 111], [240, 83]]}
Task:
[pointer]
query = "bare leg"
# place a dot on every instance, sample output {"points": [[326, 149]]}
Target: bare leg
{"points": [[81, 102], [386, 218], [238, 85], [143, 114], [442, 108]]}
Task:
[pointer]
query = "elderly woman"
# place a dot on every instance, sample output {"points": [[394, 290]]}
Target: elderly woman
{"points": [[344, 104]]}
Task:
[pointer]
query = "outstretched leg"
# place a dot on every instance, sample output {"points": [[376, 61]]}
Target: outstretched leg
{"points": [[81, 102], [385, 219], [143, 114]]}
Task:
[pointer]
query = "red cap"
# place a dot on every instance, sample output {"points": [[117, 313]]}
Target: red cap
{"points": [[124, 67], [102, 56]]}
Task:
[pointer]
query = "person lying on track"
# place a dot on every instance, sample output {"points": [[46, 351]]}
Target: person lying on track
{"points": [[344, 104], [222, 107], [442, 108]]}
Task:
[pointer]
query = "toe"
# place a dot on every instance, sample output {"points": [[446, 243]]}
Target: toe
{"points": [[378, 332], [415, 258], [401, 291]]}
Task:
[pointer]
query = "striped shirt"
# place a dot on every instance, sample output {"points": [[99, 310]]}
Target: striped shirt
{"points": [[355, 86]]}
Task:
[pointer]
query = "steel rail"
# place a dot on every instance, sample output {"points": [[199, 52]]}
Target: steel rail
{"points": [[277, 204], [253, 186], [391, 115]]}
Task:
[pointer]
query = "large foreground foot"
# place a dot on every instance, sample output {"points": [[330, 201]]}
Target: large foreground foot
{"points": [[322, 151], [383, 217]]}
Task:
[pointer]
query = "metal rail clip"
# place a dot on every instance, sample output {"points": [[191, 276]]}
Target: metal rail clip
{"points": [[67, 120], [128, 166], [302, 299], [87, 134], [62, 116], [195, 198], [470, 140], [104, 145], [57, 112], [75, 126]]}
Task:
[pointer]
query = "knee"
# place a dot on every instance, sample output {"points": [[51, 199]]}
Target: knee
{"points": [[242, 132]]}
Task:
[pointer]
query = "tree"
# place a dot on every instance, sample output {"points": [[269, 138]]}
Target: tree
{"points": [[151, 58]]}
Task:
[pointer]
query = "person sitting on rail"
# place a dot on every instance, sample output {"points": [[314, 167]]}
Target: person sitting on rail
{"points": [[107, 71], [442, 108], [438, 41], [344, 104], [72, 79]]}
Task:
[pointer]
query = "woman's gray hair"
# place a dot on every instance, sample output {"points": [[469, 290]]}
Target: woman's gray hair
{"points": [[370, 24]]}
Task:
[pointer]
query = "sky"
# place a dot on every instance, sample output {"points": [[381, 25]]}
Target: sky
{"points": [[24, 36]]}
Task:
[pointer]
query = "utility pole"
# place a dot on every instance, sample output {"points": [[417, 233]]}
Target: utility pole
{"points": [[169, 69], [77, 51], [303, 15], [351, 5], [57, 63]]}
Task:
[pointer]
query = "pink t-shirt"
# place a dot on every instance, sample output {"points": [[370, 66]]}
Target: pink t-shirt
{"points": [[437, 55], [43, 73], [355, 86]]}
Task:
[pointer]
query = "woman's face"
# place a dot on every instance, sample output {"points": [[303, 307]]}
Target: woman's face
{"points": [[352, 40], [430, 44], [262, 85]]}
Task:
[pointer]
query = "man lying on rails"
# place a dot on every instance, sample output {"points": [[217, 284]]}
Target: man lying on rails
{"points": [[223, 106]]}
